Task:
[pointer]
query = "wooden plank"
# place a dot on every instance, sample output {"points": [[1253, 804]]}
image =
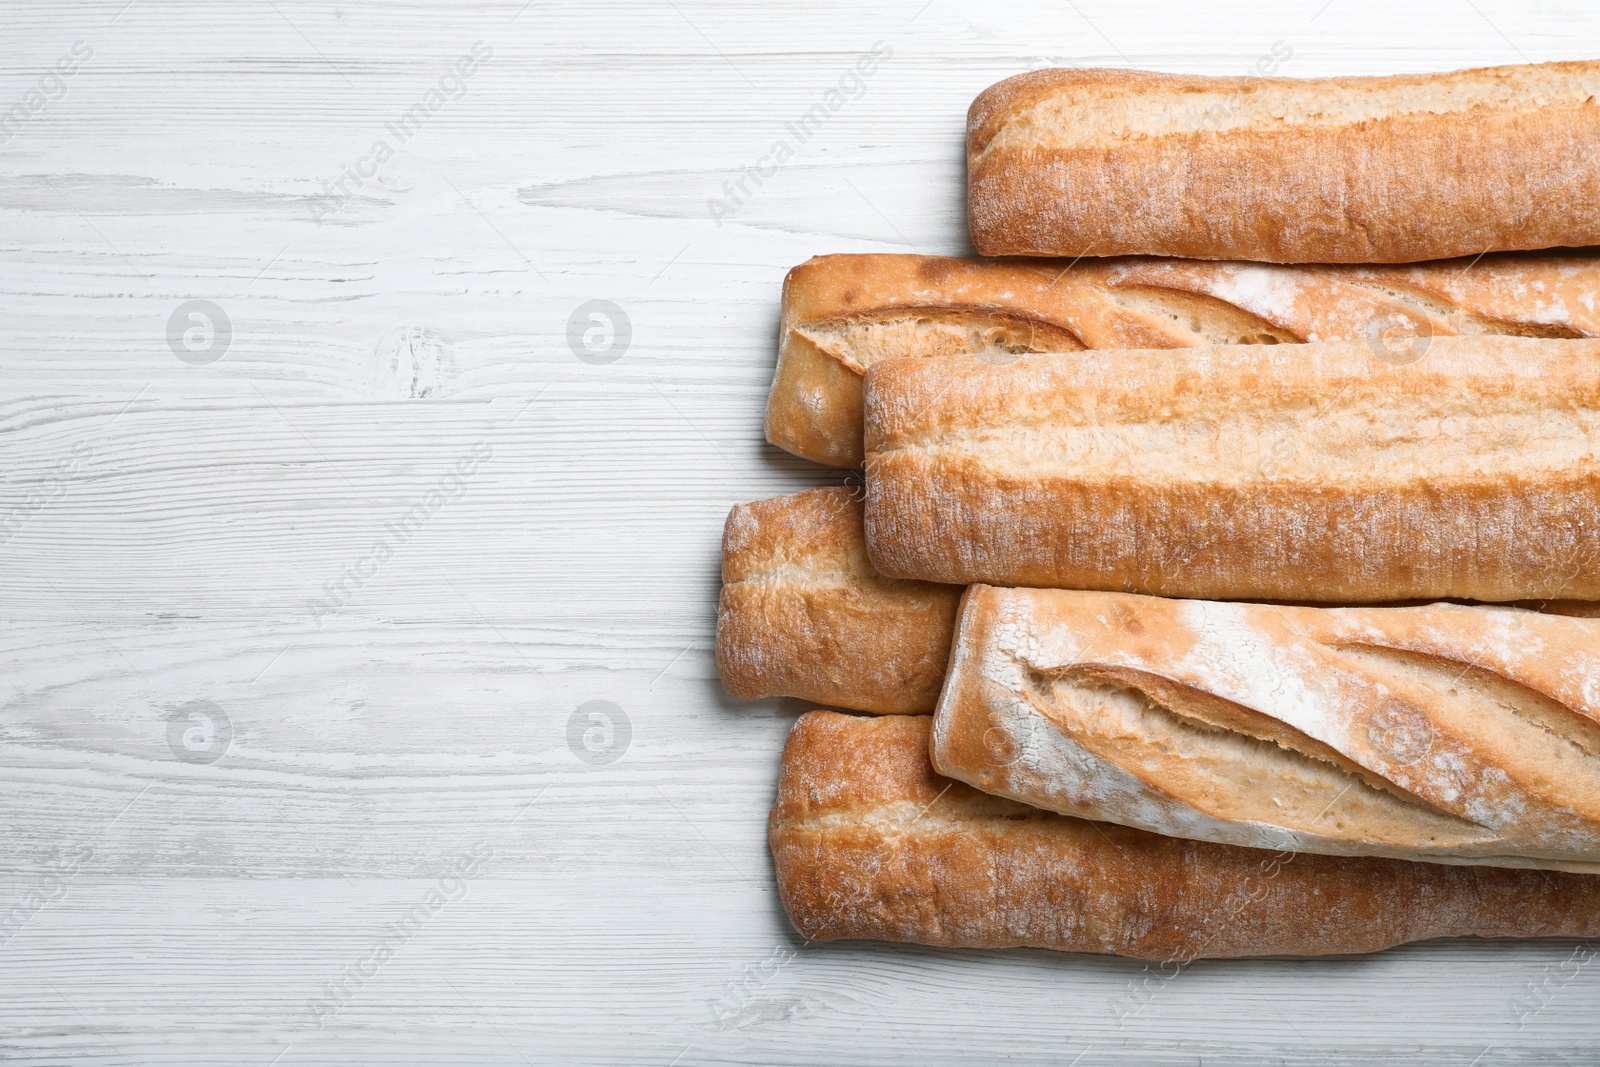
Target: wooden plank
{"points": [[299, 640]]}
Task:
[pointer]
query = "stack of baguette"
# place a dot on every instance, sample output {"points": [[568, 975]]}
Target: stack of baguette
{"points": [[1228, 584]]}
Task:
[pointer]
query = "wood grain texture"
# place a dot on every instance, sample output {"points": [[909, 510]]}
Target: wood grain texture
{"points": [[174, 521]]}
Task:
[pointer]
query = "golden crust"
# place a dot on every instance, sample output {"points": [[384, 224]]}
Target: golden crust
{"points": [[869, 843], [1300, 473], [923, 305], [804, 614], [1329, 170], [1442, 732], [844, 313]]}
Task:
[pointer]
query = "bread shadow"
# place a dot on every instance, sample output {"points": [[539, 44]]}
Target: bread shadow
{"points": [[1102, 965]]}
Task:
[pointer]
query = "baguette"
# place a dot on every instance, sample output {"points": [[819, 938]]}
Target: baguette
{"points": [[1443, 733], [803, 613], [1252, 472], [868, 842], [841, 314], [1285, 170]]}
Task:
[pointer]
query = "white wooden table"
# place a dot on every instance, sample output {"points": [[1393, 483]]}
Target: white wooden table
{"points": [[302, 596]]}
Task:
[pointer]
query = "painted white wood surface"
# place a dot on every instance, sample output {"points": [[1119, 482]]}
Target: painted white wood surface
{"points": [[169, 528]]}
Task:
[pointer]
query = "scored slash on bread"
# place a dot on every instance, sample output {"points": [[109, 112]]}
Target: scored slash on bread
{"points": [[869, 842], [1439, 732], [843, 313]]}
